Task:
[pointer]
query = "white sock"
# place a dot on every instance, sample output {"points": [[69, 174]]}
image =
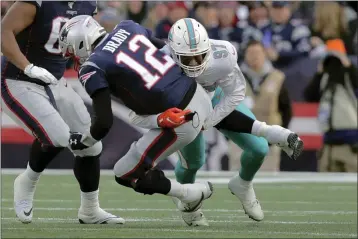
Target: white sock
{"points": [[89, 201], [274, 134], [242, 188], [185, 192], [177, 190], [31, 174], [259, 128]]}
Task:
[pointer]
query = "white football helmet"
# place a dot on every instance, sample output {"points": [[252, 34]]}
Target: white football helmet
{"points": [[78, 35], [188, 40]]}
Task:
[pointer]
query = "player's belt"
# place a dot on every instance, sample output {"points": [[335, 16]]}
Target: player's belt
{"points": [[47, 90]]}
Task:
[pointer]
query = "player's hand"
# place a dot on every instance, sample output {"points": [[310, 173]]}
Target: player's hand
{"points": [[79, 141], [40, 73], [172, 118]]}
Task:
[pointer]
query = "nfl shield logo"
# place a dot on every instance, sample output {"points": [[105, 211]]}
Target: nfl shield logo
{"points": [[70, 4]]}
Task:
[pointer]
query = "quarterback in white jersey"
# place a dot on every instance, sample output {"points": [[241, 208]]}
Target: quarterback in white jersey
{"points": [[213, 63]]}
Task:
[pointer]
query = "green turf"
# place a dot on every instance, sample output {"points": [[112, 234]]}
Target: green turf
{"points": [[291, 210]]}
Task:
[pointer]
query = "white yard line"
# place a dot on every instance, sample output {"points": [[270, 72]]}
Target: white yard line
{"points": [[70, 220], [169, 201], [222, 177], [188, 230], [317, 212]]}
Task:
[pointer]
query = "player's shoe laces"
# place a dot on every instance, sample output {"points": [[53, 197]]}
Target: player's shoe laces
{"points": [[24, 190], [98, 216], [246, 194], [195, 219], [205, 192]]}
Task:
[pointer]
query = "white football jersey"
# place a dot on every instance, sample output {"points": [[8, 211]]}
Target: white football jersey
{"points": [[222, 70]]}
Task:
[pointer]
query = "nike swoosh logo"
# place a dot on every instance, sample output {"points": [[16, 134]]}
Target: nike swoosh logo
{"points": [[28, 213]]}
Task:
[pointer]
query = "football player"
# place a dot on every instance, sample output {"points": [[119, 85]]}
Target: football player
{"points": [[213, 63], [35, 95], [126, 64]]}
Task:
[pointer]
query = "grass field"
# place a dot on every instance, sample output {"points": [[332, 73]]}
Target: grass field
{"points": [[295, 210]]}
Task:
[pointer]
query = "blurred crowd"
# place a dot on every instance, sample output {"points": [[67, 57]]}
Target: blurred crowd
{"points": [[270, 36], [288, 29]]}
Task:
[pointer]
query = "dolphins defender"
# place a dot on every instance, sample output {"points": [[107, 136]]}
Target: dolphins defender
{"points": [[213, 64]]}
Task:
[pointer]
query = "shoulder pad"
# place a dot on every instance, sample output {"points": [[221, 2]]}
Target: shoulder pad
{"points": [[299, 32]]}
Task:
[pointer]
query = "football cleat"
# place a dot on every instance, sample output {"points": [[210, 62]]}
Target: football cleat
{"points": [[195, 219], [206, 190], [293, 146], [244, 191], [99, 216], [24, 190]]}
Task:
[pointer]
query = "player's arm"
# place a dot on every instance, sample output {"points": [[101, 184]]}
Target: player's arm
{"points": [[171, 118], [94, 81], [233, 87], [19, 16]]}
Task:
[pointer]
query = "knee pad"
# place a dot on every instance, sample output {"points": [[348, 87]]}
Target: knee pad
{"points": [[154, 181], [94, 150], [61, 140]]}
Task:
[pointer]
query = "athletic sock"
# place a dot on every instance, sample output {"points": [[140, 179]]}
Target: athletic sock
{"points": [[87, 172], [41, 156]]}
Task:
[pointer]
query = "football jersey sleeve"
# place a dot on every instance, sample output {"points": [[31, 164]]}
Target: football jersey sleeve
{"points": [[92, 78]]}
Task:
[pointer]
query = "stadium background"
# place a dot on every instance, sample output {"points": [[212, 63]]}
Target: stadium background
{"points": [[15, 143]]}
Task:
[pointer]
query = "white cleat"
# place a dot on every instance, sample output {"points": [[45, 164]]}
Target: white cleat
{"points": [[293, 146], [285, 139], [99, 217], [246, 194], [194, 219], [24, 190], [205, 191]]}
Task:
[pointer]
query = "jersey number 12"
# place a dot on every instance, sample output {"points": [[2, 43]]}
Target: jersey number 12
{"points": [[160, 67]]}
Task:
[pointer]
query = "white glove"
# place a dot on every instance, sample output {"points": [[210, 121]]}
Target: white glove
{"points": [[40, 73]]}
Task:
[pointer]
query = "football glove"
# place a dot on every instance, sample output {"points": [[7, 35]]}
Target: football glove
{"points": [[79, 141], [40, 73], [172, 118]]}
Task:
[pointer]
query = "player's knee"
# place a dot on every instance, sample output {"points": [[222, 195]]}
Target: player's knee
{"points": [[261, 149], [125, 164], [153, 181], [60, 140], [197, 164], [94, 150]]}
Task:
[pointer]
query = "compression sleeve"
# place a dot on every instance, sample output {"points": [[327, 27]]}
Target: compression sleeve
{"points": [[103, 116]]}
